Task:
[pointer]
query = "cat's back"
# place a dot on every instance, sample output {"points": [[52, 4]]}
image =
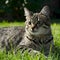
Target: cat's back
{"points": [[11, 35]]}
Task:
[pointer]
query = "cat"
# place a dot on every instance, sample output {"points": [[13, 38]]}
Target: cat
{"points": [[35, 37], [38, 35]]}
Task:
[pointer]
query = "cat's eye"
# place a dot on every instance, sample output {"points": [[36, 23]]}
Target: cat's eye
{"points": [[29, 23], [39, 22], [47, 24]]}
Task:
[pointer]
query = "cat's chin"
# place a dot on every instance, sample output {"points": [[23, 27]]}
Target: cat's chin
{"points": [[32, 33], [38, 32]]}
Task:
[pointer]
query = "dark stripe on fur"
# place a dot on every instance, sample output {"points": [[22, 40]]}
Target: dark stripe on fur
{"points": [[40, 41]]}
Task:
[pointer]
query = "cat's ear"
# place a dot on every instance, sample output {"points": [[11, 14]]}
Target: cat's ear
{"points": [[45, 11], [27, 12]]}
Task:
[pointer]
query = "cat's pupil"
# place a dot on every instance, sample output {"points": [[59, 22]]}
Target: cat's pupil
{"points": [[29, 23], [38, 22]]}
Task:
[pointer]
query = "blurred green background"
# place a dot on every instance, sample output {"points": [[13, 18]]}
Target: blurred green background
{"points": [[12, 10]]}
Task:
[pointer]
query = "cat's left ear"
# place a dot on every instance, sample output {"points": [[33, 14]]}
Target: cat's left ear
{"points": [[27, 12], [45, 11]]}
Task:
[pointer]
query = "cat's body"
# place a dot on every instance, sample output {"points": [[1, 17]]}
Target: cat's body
{"points": [[37, 35]]}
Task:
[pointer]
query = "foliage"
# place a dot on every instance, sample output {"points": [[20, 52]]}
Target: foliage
{"points": [[13, 9]]}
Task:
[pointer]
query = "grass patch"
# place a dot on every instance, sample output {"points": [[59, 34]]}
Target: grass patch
{"points": [[55, 56], [9, 24], [25, 56]]}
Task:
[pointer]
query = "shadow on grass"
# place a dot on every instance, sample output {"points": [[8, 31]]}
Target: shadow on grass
{"points": [[56, 52], [55, 21]]}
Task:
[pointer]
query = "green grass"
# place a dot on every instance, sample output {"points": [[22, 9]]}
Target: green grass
{"points": [[6, 24], [52, 56]]}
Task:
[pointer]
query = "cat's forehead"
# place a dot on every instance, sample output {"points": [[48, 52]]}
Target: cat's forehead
{"points": [[38, 16], [34, 17]]}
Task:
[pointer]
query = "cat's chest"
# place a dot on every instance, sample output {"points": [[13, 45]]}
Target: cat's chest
{"points": [[36, 43], [27, 40]]}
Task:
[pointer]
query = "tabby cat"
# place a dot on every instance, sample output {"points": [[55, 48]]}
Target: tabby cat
{"points": [[37, 36]]}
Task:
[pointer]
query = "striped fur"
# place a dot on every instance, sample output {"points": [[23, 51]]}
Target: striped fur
{"points": [[38, 34]]}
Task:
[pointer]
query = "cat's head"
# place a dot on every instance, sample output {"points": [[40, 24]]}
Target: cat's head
{"points": [[37, 23]]}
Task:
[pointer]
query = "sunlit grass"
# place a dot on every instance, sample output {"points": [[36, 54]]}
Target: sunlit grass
{"points": [[9, 24], [56, 33]]}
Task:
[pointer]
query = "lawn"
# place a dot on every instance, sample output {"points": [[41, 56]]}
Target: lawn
{"points": [[6, 24], [55, 26]]}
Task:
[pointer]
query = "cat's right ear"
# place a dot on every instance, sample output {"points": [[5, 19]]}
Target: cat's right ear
{"points": [[45, 11], [27, 12]]}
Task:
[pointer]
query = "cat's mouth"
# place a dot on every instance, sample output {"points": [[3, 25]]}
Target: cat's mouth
{"points": [[33, 32]]}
